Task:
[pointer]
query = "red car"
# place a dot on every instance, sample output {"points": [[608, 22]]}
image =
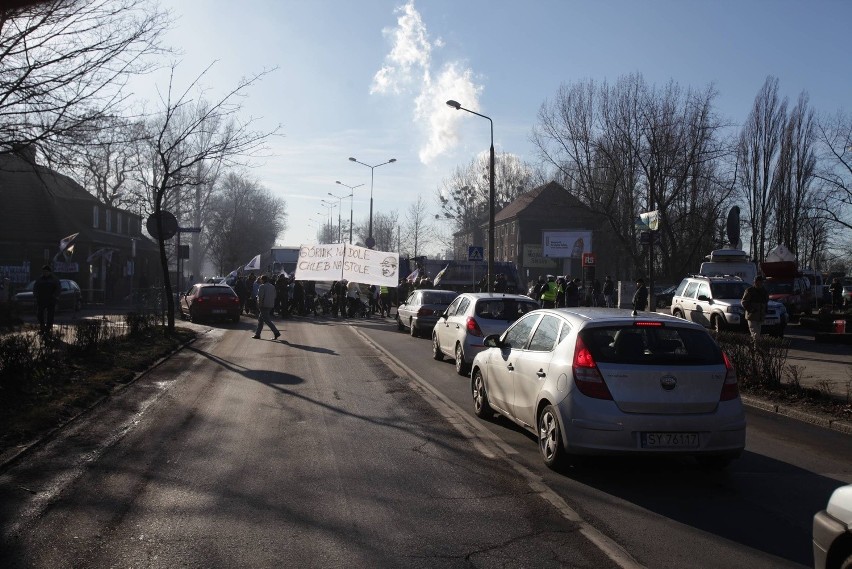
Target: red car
{"points": [[210, 301]]}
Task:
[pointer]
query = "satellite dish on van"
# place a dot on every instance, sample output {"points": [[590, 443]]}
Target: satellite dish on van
{"points": [[733, 227]]}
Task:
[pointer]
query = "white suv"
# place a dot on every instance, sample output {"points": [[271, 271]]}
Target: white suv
{"points": [[715, 302]]}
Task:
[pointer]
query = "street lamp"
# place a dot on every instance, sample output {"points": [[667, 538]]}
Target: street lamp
{"points": [[370, 241], [339, 222], [491, 199], [330, 205], [351, 203]]}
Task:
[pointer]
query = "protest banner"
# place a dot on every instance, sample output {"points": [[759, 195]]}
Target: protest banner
{"points": [[336, 261]]}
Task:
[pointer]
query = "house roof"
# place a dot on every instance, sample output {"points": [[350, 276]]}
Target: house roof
{"points": [[45, 205], [552, 193]]}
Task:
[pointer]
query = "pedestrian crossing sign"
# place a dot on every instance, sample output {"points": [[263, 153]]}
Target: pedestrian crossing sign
{"points": [[475, 253]]}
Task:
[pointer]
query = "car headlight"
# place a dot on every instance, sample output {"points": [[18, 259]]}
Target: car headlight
{"points": [[735, 310]]}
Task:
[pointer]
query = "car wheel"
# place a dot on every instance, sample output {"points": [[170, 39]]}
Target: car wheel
{"points": [[677, 313], [481, 408], [550, 438], [412, 329], [718, 324], [461, 367], [193, 317], [399, 325], [847, 564], [437, 354]]}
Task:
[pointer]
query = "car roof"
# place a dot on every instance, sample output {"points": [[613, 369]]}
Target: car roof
{"points": [[495, 295], [589, 314]]}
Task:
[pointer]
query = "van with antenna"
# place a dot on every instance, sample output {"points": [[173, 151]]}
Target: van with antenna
{"points": [[730, 263]]}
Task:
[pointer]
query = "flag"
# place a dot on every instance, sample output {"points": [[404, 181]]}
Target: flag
{"points": [[440, 275], [67, 243], [254, 264], [413, 276], [651, 219]]}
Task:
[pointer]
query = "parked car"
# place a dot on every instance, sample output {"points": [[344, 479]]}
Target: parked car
{"points": [[794, 293], [210, 301], [832, 532], [472, 316], [716, 302], [664, 297], [420, 311], [70, 296], [598, 381]]}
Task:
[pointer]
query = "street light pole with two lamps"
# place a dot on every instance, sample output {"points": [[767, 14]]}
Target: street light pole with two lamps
{"points": [[491, 195], [370, 241], [330, 205], [351, 203], [339, 222]]}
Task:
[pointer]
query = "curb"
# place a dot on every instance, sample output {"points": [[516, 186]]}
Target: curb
{"points": [[844, 427]]}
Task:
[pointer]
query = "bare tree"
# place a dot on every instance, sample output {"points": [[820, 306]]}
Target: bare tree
{"points": [[247, 219], [834, 136], [174, 149], [64, 65], [629, 148], [417, 228]]}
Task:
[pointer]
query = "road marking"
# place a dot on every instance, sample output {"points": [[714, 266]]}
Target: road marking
{"points": [[492, 446]]}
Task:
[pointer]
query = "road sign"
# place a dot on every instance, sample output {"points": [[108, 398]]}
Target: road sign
{"points": [[169, 222], [475, 253], [370, 242], [588, 259], [189, 229]]}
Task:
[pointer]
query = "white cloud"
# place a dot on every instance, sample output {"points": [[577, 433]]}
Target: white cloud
{"points": [[407, 71]]}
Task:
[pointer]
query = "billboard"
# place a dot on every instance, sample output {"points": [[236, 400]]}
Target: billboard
{"points": [[566, 244]]}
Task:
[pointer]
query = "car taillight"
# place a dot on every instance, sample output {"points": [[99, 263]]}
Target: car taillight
{"points": [[472, 327], [425, 312], [198, 299], [730, 390], [587, 377]]}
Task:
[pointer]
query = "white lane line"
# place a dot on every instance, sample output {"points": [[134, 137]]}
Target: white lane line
{"points": [[491, 446]]}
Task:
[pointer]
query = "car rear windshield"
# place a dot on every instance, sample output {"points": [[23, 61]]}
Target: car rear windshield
{"points": [[216, 290], [439, 297], [503, 308], [651, 345]]}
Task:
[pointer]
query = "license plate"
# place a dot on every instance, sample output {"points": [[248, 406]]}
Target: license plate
{"points": [[670, 440], [219, 311], [770, 321]]}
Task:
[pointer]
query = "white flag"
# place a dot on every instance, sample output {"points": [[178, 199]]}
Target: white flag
{"points": [[254, 264], [66, 243]]}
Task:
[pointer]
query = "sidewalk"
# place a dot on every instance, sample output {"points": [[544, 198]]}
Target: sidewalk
{"points": [[824, 366]]}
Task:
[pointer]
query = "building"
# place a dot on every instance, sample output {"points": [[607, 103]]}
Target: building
{"points": [[109, 257], [527, 232]]}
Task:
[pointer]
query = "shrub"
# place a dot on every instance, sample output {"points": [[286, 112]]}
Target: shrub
{"points": [[758, 364]]}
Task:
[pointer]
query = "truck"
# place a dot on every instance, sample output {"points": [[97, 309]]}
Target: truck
{"points": [[786, 284], [730, 263]]}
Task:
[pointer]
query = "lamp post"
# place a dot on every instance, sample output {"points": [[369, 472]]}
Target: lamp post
{"points": [[330, 205], [351, 203], [491, 198], [370, 241], [339, 222]]}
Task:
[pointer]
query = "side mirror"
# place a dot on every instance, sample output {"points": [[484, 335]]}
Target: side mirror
{"points": [[703, 297], [492, 341]]}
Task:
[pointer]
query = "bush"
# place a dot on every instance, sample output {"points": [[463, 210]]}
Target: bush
{"points": [[759, 364]]}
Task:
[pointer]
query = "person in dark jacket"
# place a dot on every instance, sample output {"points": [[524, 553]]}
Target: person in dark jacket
{"points": [[242, 290], [45, 294], [572, 293], [609, 292], [755, 302], [640, 299]]}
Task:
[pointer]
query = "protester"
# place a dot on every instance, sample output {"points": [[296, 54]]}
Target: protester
{"points": [[755, 302], [384, 301], [281, 283], [609, 292], [46, 294], [242, 291], [548, 295], [572, 293], [561, 283], [596, 293], [640, 298], [265, 302], [353, 297], [836, 290]]}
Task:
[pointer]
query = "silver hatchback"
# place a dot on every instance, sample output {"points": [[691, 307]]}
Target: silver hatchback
{"points": [[461, 329], [596, 381]]}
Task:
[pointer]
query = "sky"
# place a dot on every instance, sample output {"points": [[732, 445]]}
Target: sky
{"points": [[370, 79]]}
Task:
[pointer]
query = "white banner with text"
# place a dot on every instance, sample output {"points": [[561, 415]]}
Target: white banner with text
{"points": [[336, 261]]}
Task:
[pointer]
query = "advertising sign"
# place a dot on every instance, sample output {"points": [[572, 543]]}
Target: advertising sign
{"points": [[588, 259], [566, 244], [336, 261], [533, 258]]}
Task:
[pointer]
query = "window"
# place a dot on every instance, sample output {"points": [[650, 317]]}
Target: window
{"points": [[465, 302], [516, 337], [544, 338], [108, 215], [118, 220], [96, 214], [665, 345], [704, 289], [690, 290]]}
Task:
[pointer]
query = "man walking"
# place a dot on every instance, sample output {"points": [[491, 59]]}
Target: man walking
{"points": [[265, 304], [755, 303], [46, 292], [609, 292], [640, 299]]}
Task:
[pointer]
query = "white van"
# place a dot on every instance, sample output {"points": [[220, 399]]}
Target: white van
{"points": [[729, 262]]}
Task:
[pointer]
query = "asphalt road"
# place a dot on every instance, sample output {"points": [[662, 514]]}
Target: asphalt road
{"points": [[347, 444], [312, 452]]}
